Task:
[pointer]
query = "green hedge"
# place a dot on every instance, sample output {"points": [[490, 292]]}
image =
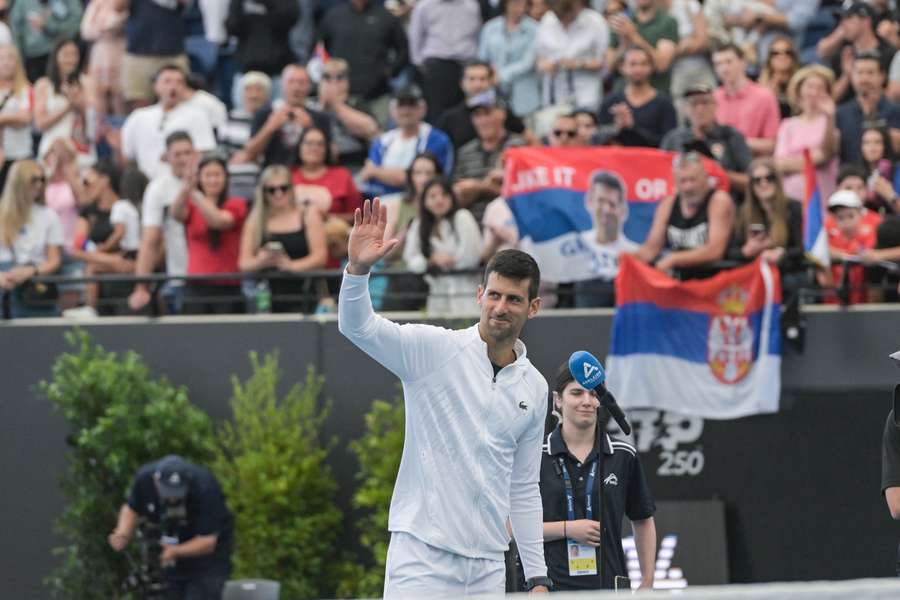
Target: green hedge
{"points": [[119, 418]]}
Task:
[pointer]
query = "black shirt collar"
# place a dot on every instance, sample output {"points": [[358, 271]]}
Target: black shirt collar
{"points": [[556, 445]]}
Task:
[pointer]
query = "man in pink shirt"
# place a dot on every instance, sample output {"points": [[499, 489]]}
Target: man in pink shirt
{"points": [[741, 103]]}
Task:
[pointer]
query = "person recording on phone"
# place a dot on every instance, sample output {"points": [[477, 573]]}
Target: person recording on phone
{"points": [[285, 233], [589, 481], [180, 504]]}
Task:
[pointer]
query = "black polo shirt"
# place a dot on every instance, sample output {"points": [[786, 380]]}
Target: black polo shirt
{"points": [[207, 514], [620, 489]]}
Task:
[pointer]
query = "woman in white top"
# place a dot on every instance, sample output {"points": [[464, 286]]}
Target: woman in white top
{"points": [[64, 105], [15, 110], [31, 239], [444, 238]]}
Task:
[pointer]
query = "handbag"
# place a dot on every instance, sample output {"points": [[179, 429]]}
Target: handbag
{"points": [[36, 294]]}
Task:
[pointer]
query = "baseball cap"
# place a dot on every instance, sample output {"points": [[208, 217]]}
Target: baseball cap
{"points": [[855, 7], [172, 477], [488, 99], [844, 199], [695, 89], [410, 93]]}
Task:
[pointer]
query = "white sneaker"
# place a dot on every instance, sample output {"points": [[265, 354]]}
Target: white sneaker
{"points": [[82, 312]]}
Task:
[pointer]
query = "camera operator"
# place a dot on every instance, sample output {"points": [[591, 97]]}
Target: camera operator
{"points": [[185, 504], [890, 457]]}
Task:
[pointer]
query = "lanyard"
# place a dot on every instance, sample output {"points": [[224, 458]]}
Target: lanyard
{"points": [[570, 495]]}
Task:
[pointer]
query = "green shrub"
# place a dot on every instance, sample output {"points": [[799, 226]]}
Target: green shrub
{"points": [[378, 452], [271, 465], [119, 418]]}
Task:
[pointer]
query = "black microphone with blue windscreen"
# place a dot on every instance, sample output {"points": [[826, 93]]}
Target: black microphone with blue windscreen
{"points": [[589, 374]]}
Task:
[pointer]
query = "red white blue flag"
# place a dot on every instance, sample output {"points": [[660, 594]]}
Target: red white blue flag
{"points": [[546, 192], [815, 236], [709, 348]]}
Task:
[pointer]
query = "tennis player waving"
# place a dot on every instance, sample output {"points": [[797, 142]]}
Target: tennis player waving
{"points": [[475, 409]]}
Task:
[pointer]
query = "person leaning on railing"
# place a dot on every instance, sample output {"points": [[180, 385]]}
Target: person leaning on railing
{"points": [[283, 234], [31, 241]]}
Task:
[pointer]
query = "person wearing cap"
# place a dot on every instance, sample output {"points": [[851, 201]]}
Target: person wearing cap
{"points": [[197, 563], [390, 155], [854, 34], [868, 104], [849, 238], [457, 121], [811, 130], [478, 173], [639, 114], [723, 143]]}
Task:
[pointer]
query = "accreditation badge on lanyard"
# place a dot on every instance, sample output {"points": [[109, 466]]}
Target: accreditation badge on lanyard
{"points": [[582, 557]]}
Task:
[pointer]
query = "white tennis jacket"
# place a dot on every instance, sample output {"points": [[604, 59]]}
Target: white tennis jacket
{"points": [[472, 452]]}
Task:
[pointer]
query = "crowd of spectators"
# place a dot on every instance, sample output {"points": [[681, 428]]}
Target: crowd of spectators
{"points": [[206, 137]]}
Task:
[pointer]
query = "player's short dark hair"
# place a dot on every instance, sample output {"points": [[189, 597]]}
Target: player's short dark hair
{"points": [[610, 180], [515, 265], [178, 136], [729, 47]]}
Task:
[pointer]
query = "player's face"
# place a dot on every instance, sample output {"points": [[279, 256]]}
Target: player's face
{"points": [[607, 206], [505, 307], [577, 405]]}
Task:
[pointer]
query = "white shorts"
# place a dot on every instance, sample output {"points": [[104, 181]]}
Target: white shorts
{"points": [[417, 571]]}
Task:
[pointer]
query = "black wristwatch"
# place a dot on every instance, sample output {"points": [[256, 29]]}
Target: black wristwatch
{"points": [[534, 582]]}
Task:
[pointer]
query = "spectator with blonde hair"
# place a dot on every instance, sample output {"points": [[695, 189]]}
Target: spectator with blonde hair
{"points": [[813, 130], [285, 235], [15, 110], [31, 241]]}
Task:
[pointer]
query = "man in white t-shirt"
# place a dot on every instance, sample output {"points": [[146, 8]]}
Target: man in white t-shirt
{"points": [[159, 224], [146, 129], [605, 201]]}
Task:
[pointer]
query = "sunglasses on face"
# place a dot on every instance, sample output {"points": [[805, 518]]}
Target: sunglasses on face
{"points": [[334, 76], [272, 189], [38, 179], [758, 180], [781, 52], [570, 133]]}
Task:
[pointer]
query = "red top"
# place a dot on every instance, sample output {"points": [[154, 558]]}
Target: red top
{"points": [[863, 240], [345, 198], [202, 259]]}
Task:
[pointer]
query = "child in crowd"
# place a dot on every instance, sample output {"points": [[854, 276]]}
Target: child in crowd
{"points": [[849, 238]]}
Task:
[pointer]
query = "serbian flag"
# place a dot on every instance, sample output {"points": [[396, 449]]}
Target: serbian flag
{"points": [[316, 64], [709, 348], [815, 236], [549, 193]]}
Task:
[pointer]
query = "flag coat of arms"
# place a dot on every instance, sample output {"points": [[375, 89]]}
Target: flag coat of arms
{"points": [[708, 348]]}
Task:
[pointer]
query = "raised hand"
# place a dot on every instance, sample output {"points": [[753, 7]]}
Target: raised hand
{"points": [[367, 244]]}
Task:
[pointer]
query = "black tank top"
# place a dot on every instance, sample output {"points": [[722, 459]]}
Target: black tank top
{"points": [[684, 233], [99, 227], [294, 242]]}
